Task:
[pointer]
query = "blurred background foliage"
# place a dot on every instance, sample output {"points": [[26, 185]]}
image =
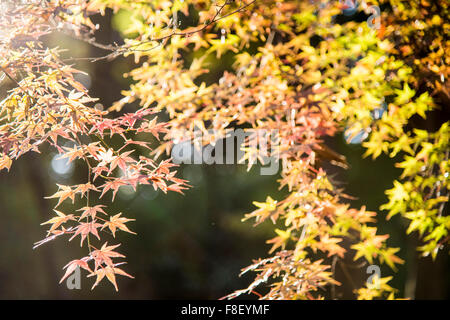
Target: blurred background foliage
{"points": [[190, 246]]}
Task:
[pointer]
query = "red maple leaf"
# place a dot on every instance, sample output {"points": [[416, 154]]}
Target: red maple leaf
{"points": [[84, 229]]}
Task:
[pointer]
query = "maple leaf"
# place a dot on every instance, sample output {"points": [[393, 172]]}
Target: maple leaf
{"points": [[57, 221], [139, 143], [98, 170], [83, 188], [331, 245], [177, 188], [104, 255], [281, 240], [153, 127], [110, 273], [91, 211], [72, 265], [62, 194], [129, 119], [223, 45], [117, 222], [134, 179], [93, 149], [404, 95], [105, 124], [114, 185], [391, 259], [5, 162], [58, 132], [84, 229], [72, 153], [121, 161], [106, 157], [266, 209], [159, 183]]}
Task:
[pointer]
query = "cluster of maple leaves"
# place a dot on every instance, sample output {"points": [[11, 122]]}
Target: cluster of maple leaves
{"points": [[47, 105], [295, 70], [283, 87]]}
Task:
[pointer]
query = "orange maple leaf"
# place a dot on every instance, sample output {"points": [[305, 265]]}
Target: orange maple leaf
{"points": [[57, 221], [63, 193], [104, 255], [83, 188], [114, 185], [84, 229], [110, 273], [117, 222], [92, 211], [72, 153], [121, 161], [72, 265]]}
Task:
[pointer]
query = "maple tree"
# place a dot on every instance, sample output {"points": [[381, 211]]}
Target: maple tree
{"points": [[295, 69]]}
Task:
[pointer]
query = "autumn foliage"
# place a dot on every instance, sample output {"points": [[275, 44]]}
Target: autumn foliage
{"points": [[296, 70], [48, 105]]}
